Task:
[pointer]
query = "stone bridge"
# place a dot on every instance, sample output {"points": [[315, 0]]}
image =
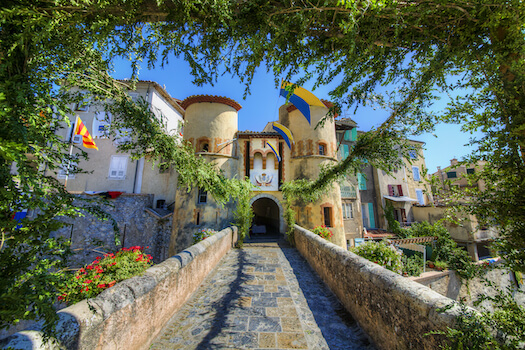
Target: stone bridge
{"points": [[264, 296]]}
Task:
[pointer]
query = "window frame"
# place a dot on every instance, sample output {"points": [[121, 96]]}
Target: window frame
{"points": [[202, 196], [113, 164], [415, 170]]}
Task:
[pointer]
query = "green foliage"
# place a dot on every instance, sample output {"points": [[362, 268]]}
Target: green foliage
{"points": [[393, 225], [103, 273], [244, 212], [380, 253], [202, 234], [474, 51], [502, 328], [445, 249], [323, 232], [412, 265], [289, 218]]}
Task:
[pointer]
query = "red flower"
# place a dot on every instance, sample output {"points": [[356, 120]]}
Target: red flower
{"points": [[97, 276], [77, 277], [89, 267], [87, 281], [102, 285]]}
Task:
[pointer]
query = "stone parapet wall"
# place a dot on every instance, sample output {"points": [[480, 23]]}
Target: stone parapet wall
{"points": [[132, 313], [393, 310]]}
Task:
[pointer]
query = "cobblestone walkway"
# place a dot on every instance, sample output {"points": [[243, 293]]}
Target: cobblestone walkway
{"points": [[262, 297]]}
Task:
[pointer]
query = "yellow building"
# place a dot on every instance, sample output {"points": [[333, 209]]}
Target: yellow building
{"points": [[211, 125]]}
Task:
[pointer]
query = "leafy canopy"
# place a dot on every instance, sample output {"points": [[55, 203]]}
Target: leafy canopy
{"points": [[422, 47]]}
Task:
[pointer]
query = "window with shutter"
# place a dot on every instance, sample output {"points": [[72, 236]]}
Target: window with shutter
{"points": [[391, 190], [415, 173], [399, 190], [420, 197], [361, 180], [118, 167]]}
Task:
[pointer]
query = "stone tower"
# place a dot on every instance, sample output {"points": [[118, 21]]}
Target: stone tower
{"points": [[313, 148], [210, 126]]}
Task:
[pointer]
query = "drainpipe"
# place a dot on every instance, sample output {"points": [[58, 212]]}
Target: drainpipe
{"points": [[139, 170]]}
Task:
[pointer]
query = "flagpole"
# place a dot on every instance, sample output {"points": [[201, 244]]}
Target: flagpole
{"points": [[71, 135]]}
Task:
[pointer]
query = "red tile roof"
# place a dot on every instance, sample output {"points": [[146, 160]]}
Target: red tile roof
{"points": [[212, 99]]}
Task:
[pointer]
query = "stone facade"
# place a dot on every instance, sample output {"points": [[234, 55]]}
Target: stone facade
{"points": [[137, 222], [211, 126]]}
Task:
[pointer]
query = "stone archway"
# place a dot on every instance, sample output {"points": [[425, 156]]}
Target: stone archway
{"points": [[267, 201]]}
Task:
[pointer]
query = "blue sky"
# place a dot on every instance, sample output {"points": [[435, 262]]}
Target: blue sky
{"points": [[262, 105]]}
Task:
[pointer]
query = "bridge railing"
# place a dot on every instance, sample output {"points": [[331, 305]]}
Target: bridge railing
{"points": [[132, 313], [394, 311]]}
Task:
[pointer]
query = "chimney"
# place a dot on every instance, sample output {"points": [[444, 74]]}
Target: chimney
{"points": [[453, 161], [439, 168]]}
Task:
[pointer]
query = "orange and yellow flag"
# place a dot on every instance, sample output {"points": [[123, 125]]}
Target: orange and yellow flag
{"points": [[87, 140]]}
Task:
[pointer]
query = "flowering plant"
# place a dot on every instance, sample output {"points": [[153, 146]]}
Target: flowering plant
{"points": [[203, 234], [323, 232], [105, 272]]}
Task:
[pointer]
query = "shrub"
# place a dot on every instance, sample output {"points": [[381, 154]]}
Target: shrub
{"points": [[104, 273], [323, 232], [380, 253], [202, 234], [412, 265]]}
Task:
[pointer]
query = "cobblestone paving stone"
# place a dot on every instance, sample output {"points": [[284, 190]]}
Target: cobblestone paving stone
{"points": [[264, 296]]}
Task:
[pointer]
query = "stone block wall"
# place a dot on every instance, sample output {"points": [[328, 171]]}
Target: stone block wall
{"points": [[90, 237], [131, 314], [394, 311], [449, 284]]}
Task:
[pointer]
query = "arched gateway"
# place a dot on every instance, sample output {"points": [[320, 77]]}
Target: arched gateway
{"points": [[268, 212]]}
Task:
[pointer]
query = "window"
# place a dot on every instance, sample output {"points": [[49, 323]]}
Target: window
{"points": [[451, 175], [161, 203], [322, 149], [82, 106], [350, 135], [348, 212], [361, 180], [471, 171], [67, 168], [204, 147], [202, 196], [345, 152], [395, 190], [420, 197], [327, 213], [101, 123], [118, 167], [412, 154], [415, 173], [134, 96]]}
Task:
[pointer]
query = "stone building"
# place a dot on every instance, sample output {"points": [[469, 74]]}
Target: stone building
{"points": [[403, 189], [211, 125]]}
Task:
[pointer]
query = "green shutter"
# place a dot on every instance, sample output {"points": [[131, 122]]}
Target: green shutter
{"points": [[361, 180], [354, 134], [371, 215], [346, 151]]}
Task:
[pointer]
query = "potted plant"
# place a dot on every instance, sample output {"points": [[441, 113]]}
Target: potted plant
{"points": [[441, 265], [430, 264]]}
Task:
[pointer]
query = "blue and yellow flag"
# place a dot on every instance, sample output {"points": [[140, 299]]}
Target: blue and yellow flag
{"points": [[300, 98], [274, 151], [285, 133]]}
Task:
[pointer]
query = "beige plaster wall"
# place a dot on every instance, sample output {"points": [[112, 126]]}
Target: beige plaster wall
{"points": [[132, 313], [215, 122], [393, 310], [305, 163]]}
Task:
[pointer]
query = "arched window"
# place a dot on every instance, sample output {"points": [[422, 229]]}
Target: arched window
{"points": [[257, 161], [322, 149]]}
